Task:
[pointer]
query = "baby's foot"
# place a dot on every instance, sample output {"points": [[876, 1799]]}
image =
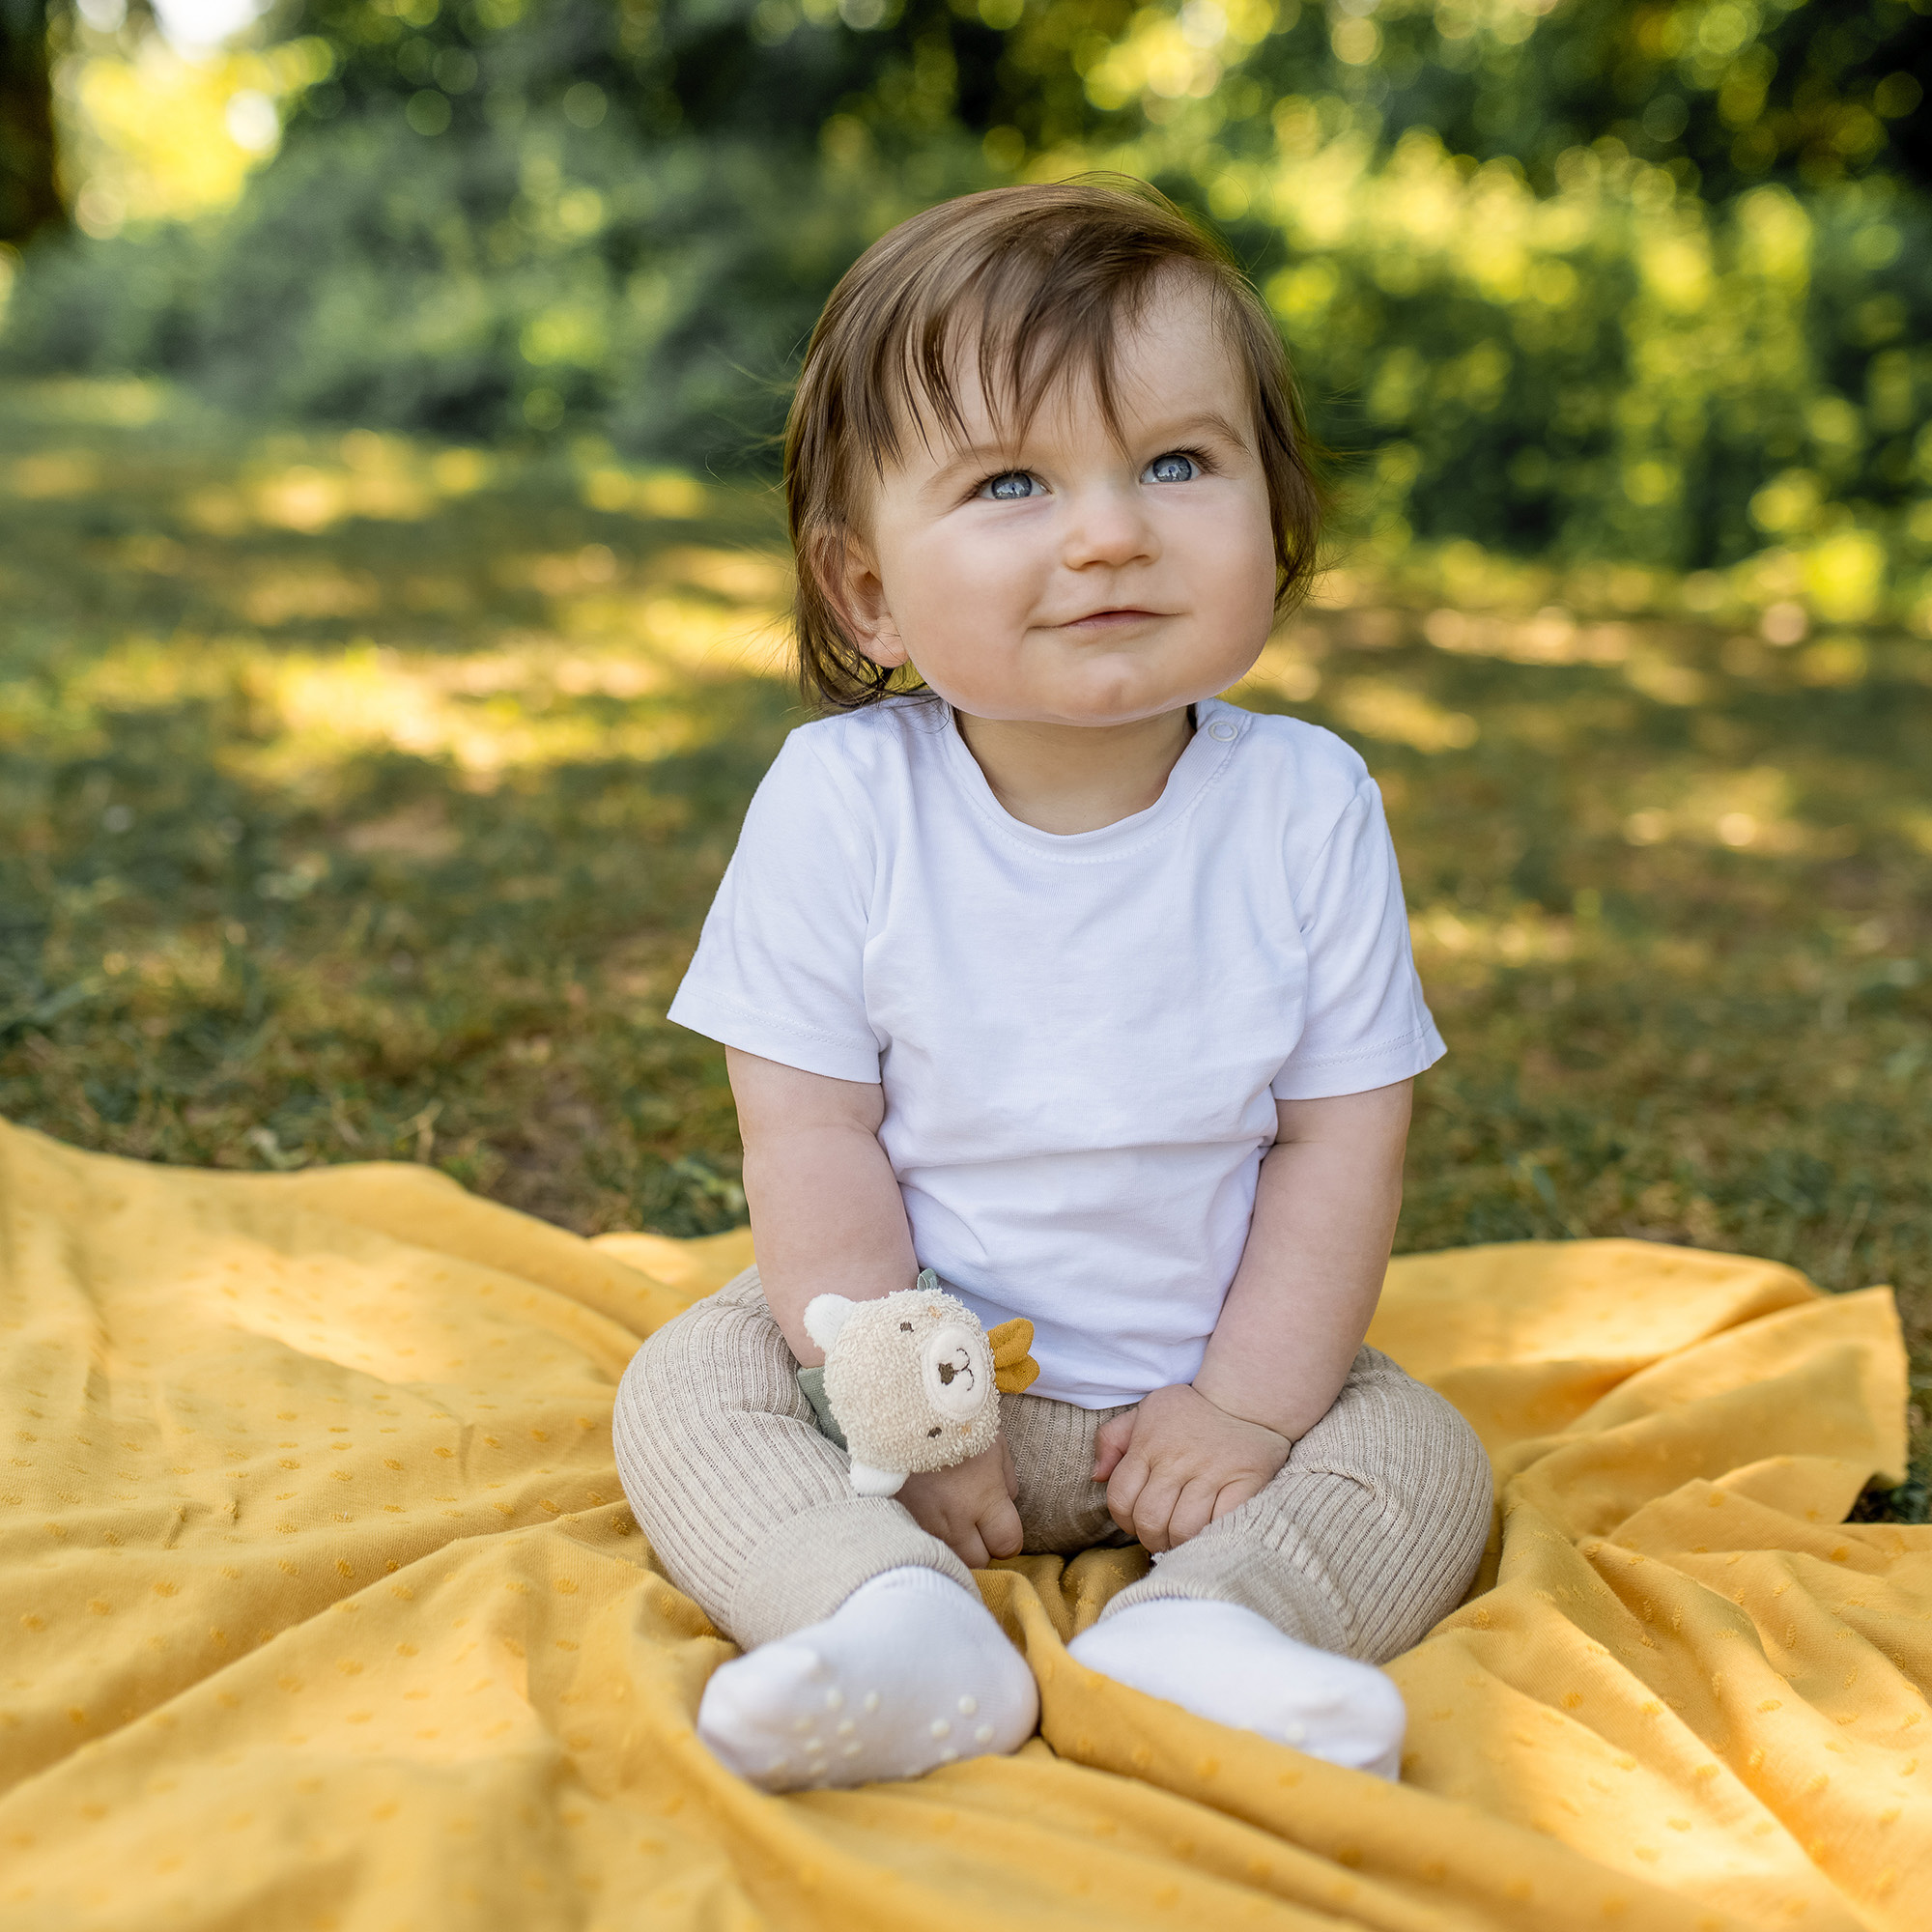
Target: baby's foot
{"points": [[1227, 1663], [908, 1672]]}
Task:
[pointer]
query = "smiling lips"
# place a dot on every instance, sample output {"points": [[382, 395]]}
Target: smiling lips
{"points": [[1108, 620]]}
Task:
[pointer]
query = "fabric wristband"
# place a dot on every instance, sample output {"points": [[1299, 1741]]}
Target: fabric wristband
{"points": [[811, 1383]]}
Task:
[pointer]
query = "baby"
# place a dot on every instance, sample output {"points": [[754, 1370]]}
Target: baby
{"points": [[1041, 966]]}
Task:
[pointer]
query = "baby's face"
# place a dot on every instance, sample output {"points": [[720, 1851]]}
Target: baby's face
{"points": [[1066, 580]]}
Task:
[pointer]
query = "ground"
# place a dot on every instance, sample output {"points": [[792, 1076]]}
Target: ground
{"points": [[360, 800]]}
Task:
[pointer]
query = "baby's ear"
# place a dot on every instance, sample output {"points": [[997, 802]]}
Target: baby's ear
{"points": [[824, 1316], [848, 575]]}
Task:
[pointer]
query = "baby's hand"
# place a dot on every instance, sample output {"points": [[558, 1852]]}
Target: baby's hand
{"points": [[969, 1506], [1175, 1462]]}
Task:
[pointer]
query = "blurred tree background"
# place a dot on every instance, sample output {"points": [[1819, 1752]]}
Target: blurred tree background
{"points": [[1646, 280]]}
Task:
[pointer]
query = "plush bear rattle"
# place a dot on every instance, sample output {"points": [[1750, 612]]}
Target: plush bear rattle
{"points": [[911, 1382]]}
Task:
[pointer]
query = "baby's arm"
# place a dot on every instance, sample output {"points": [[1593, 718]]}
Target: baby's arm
{"points": [[1318, 1249], [828, 1219], [826, 1211]]}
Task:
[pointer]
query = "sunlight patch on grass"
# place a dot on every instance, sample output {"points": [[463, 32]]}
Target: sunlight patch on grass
{"points": [[646, 493], [1752, 811], [52, 473], [1516, 939], [1284, 670], [1398, 714], [1552, 636], [371, 480], [1662, 679], [283, 592], [476, 713]]}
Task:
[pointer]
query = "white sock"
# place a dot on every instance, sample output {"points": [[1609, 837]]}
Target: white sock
{"points": [[907, 1673], [1228, 1665]]}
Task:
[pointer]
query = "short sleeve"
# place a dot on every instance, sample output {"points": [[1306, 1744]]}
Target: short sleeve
{"points": [[1366, 1024], [779, 967]]}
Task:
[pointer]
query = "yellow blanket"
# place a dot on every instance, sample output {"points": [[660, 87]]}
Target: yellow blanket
{"points": [[322, 1610]]}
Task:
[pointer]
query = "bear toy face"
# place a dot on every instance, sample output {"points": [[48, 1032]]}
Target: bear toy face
{"points": [[910, 1378], [957, 1366]]}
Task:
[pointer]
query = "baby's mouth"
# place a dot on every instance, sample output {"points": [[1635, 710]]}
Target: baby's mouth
{"points": [[1119, 617]]}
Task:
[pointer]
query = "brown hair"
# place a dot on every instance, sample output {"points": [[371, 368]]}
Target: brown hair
{"points": [[1046, 274]]}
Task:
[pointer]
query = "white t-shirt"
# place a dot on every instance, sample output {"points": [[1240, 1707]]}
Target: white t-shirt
{"points": [[1081, 1037]]}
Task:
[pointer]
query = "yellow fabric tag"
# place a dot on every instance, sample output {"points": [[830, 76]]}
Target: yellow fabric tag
{"points": [[1014, 1370]]}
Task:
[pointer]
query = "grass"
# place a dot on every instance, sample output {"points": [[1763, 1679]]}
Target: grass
{"points": [[361, 800]]}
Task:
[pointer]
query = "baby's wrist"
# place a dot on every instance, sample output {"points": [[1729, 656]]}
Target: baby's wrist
{"points": [[1228, 1404]]}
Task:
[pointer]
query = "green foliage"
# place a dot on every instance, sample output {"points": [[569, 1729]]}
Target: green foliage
{"points": [[1649, 282], [1727, 93], [1614, 369], [549, 275], [362, 799], [690, 70], [512, 286]]}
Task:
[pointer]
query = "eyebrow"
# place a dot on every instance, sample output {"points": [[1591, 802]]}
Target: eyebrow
{"points": [[988, 456]]}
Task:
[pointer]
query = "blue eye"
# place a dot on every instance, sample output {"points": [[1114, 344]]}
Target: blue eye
{"points": [[1173, 468], [1011, 486]]}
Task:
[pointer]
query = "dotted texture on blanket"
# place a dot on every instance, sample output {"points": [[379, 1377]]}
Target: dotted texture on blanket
{"points": [[320, 1607]]}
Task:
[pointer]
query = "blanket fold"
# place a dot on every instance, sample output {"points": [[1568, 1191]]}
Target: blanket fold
{"points": [[320, 1607]]}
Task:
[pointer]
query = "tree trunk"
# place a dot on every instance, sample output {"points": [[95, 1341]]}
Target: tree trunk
{"points": [[29, 199]]}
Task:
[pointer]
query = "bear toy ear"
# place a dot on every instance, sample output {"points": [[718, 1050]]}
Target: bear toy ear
{"points": [[824, 1316]]}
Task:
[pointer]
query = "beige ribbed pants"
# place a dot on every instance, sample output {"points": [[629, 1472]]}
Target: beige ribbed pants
{"points": [[1372, 1531]]}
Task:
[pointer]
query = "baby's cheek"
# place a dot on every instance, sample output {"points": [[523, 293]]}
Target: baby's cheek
{"points": [[962, 610]]}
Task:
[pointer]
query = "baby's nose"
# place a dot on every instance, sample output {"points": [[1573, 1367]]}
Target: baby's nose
{"points": [[1108, 528]]}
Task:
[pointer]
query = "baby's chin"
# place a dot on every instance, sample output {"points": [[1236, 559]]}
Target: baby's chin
{"points": [[1070, 710], [1094, 695]]}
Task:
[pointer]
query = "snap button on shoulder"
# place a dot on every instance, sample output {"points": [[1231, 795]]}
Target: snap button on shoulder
{"points": [[1221, 729]]}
